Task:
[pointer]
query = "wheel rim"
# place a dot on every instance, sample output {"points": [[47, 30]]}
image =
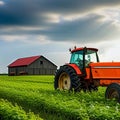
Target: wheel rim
{"points": [[113, 94], [64, 82]]}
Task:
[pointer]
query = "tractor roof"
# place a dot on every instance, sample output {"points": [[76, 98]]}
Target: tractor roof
{"points": [[79, 49]]}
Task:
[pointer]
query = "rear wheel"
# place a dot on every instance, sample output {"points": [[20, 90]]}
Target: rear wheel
{"points": [[113, 92], [67, 79]]}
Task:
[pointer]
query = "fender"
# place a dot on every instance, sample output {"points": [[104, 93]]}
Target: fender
{"points": [[76, 68]]}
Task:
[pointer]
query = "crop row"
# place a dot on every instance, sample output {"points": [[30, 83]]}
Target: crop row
{"points": [[39, 97], [69, 108], [10, 112], [27, 83], [33, 79], [35, 102]]}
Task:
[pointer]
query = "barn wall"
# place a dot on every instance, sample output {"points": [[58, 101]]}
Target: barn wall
{"points": [[42, 66], [17, 70], [41, 71], [11, 71], [42, 63]]}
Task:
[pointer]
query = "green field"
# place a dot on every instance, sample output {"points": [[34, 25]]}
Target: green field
{"points": [[34, 98]]}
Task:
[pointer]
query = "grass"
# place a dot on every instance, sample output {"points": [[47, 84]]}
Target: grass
{"points": [[37, 94]]}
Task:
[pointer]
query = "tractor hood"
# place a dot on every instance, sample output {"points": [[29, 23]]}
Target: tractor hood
{"points": [[105, 70], [105, 65]]}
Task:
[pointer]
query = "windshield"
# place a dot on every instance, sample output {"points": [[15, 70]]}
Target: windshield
{"points": [[77, 57], [90, 56]]}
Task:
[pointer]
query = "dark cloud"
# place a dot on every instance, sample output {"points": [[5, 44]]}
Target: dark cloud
{"points": [[80, 30], [33, 13], [30, 12]]}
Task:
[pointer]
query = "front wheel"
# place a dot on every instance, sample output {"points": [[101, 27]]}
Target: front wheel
{"points": [[67, 79], [113, 92]]}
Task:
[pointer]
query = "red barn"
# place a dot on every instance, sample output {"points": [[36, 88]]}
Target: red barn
{"points": [[35, 65]]}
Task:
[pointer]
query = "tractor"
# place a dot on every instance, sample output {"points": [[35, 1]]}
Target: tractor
{"points": [[85, 72]]}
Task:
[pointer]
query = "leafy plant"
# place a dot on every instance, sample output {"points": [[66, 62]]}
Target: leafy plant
{"points": [[10, 112], [37, 94]]}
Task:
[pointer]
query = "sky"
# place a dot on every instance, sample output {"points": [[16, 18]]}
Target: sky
{"points": [[51, 27]]}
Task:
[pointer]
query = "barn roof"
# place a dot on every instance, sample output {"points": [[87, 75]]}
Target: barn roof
{"points": [[24, 61]]}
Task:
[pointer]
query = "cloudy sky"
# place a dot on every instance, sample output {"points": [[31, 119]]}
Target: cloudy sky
{"points": [[51, 27]]}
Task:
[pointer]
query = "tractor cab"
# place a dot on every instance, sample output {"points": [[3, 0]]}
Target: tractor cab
{"points": [[83, 56]]}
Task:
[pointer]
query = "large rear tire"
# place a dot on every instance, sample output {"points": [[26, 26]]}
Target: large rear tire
{"points": [[67, 79], [113, 92]]}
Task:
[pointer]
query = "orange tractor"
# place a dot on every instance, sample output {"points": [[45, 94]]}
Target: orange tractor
{"points": [[85, 72]]}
